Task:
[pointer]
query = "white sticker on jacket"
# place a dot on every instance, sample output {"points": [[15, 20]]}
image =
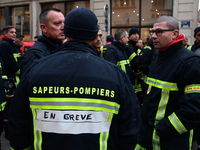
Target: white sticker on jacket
{"points": [[72, 122]]}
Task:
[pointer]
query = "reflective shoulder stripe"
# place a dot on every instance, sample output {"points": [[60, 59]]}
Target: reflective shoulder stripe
{"points": [[75, 104], [162, 84], [132, 56], [194, 88], [4, 77], [16, 55], [147, 47], [139, 147], [177, 124], [122, 64]]}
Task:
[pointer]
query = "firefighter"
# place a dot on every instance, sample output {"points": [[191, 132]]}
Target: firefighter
{"points": [[116, 54], [73, 99], [171, 109]]}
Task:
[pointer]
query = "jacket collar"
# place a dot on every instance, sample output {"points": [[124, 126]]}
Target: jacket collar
{"points": [[178, 39], [78, 45]]}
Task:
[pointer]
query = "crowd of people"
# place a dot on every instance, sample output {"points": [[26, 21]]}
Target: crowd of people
{"points": [[70, 91]]}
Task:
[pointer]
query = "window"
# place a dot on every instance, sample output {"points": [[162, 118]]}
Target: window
{"points": [[20, 20], [142, 14], [125, 12], [60, 6], [75, 4]]}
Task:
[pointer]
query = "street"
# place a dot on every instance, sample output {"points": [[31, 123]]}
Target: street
{"points": [[5, 145]]}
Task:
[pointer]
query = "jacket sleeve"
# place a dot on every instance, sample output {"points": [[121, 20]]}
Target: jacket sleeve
{"points": [[129, 119], [111, 55], [20, 119], [2, 91], [186, 116]]}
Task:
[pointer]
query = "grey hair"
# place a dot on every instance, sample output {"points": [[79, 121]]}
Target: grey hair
{"points": [[44, 14], [171, 22], [119, 33]]}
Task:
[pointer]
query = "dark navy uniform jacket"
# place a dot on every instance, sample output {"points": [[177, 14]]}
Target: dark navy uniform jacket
{"points": [[116, 54], [8, 54], [43, 47], [74, 100], [171, 107]]}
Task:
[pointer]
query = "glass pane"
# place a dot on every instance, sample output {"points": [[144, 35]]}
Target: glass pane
{"points": [[77, 4], [21, 15], [144, 33], [2, 19], [125, 13], [152, 9], [60, 6]]}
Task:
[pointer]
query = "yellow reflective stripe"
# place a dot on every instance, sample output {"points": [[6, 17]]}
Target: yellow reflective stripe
{"points": [[194, 88], [132, 56], [104, 137], [156, 141], [16, 55], [189, 47], [4, 77], [102, 50], [103, 140], [18, 72], [177, 124], [191, 139], [165, 87], [122, 64], [162, 106], [147, 47], [37, 134], [162, 84], [139, 51], [139, 147], [74, 103], [2, 106]]}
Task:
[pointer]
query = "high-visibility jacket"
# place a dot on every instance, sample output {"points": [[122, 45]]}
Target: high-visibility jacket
{"points": [[9, 56], [74, 100], [116, 54], [171, 109]]}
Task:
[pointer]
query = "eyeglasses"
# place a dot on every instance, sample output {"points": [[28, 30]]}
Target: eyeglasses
{"points": [[100, 35], [159, 32]]}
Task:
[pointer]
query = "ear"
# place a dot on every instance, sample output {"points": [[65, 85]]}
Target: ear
{"points": [[175, 34], [43, 28]]}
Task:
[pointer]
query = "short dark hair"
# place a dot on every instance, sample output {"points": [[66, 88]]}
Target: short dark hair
{"points": [[119, 33], [43, 15], [19, 38], [7, 28]]}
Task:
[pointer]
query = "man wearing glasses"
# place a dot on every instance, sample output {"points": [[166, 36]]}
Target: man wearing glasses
{"points": [[171, 105]]}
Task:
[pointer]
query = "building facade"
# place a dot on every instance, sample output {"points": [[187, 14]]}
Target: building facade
{"points": [[111, 14]]}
